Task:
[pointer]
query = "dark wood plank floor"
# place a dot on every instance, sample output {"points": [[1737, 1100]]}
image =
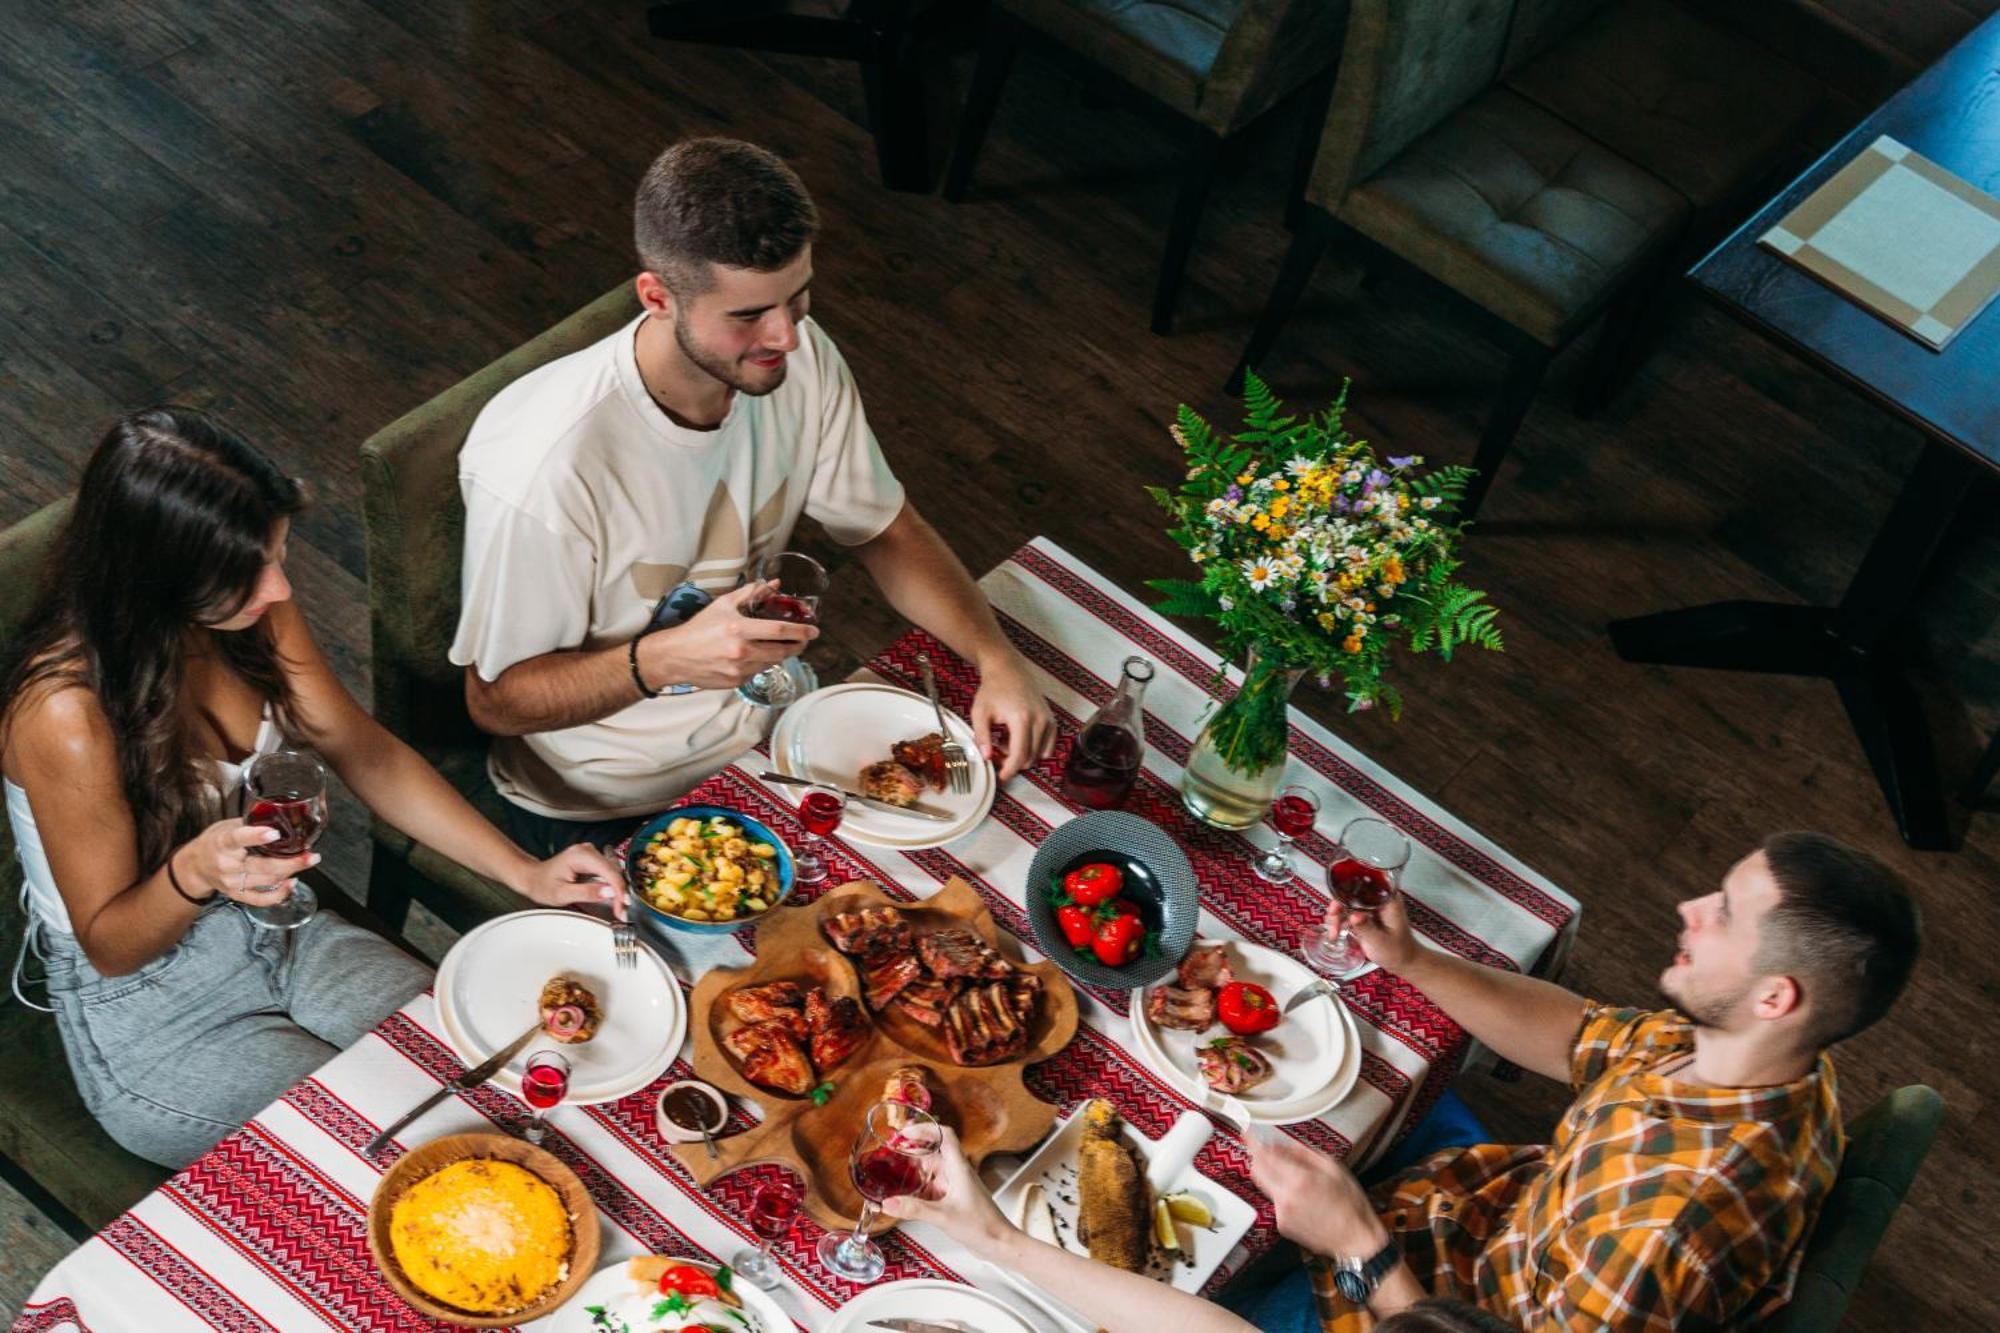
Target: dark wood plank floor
{"points": [[311, 217]]}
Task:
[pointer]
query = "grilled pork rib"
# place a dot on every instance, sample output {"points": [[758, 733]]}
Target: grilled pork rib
{"points": [[925, 1000], [837, 1027], [1191, 1010], [870, 931], [885, 976], [771, 1058], [1206, 967], [983, 1027], [954, 954]]}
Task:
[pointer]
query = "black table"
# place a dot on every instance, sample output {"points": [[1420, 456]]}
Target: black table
{"points": [[1950, 114]]}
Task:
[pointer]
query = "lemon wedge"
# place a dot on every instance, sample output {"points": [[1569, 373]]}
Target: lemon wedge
{"points": [[1163, 1226], [1186, 1208]]}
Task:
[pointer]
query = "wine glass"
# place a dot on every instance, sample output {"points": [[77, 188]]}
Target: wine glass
{"points": [[820, 811], [774, 1206], [885, 1162], [286, 791], [1363, 876], [544, 1084], [1292, 814], [801, 581]]}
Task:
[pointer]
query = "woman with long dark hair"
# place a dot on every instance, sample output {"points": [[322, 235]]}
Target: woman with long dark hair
{"points": [[164, 655]]}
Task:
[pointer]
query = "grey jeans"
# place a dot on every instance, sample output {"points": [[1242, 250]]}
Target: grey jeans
{"points": [[176, 1055]]}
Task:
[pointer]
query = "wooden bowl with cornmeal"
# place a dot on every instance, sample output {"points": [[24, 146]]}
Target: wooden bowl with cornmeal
{"points": [[482, 1230]]}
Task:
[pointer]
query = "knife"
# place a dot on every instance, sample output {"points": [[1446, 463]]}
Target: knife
{"points": [[470, 1079], [923, 1325], [913, 811]]}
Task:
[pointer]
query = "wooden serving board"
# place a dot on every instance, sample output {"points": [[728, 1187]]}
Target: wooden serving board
{"points": [[989, 1106]]}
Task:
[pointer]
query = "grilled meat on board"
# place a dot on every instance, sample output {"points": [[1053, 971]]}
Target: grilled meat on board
{"points": [[925, 1000], [836, 1027], [1191, 1010], [771, 1057], [887, 780], [885, 975], [1114, 1203], [955, 954], [870, 931], [1206, 967], [781, 1000], [1232, 1064], [982, 1026]]}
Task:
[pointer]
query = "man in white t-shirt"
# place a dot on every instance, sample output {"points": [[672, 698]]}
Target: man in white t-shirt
{"points": [[618, 500]]}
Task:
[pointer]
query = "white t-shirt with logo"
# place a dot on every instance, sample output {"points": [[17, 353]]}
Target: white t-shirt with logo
{"points": [[585, 503]]}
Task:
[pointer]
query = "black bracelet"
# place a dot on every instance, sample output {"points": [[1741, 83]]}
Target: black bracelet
{"points": [[632, 657], [175, 880]]}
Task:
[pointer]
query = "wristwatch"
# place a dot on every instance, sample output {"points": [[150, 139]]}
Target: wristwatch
{"points": [[1356, 1279]]}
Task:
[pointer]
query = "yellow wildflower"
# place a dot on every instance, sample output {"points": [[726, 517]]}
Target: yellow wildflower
{"points": [[1352, 643], [1280, 506], [1402, 502], [1326, 621], [1281, 485], [1246, 478], [1260, 521]]}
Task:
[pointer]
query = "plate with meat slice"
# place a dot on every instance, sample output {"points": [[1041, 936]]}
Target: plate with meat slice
{"points": [[883, 742], [619, 1029], [858, 999], [1298, 1070]]}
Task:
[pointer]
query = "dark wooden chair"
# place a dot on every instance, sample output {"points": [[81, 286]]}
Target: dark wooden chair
{"points": [[1217, 65], [415, 539], [1544, 161]]}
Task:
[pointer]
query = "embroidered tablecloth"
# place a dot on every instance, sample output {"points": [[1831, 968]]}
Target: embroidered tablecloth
{"points": [[268, 1230]]}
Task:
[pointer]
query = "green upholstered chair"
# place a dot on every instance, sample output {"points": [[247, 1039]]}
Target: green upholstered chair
{"points": [[51, 1150], [415, 536], [1542, 159], [1217, 64], [1886, 1144]]}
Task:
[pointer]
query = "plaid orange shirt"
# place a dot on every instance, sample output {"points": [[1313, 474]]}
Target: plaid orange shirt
{"points": [[1661, 1205]]}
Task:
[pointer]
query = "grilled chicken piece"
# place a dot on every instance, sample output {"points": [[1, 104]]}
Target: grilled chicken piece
{"points": [[771, 1058], [837, 1027], [982, 1027], [1232, 1064], [887, 780], [761, 1004], [1022, 988], [953, 954], [570, 1013], [870, 931], [885, 976], [925, 1000], [1114, 1204], [1191, 1010], [1206, 967], [924, 757], [906, 1088]]}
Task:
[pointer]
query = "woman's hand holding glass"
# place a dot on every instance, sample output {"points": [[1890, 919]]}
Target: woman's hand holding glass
{"points": [[219, 860], [954, 1199]]}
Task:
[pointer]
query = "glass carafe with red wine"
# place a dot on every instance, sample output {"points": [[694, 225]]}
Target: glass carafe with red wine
{"points": [[1363, 875], [286, 791], [1104, 757], [801, 581]]}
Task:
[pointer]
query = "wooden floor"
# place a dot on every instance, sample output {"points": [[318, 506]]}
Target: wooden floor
{"points": [[312, 216]]}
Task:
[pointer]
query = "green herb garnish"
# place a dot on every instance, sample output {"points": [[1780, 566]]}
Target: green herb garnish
{"points": [[822, 1094]]}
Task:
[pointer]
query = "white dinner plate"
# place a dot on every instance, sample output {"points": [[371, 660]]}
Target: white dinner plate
{"points": [[927, 1298], [488, 986], [1170, 1169], [611, 1284], [1315, 1052], [834, 733]]}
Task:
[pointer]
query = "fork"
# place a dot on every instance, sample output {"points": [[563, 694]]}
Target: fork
{"points": [[1312, 990], [624, 945], [957, 769]]}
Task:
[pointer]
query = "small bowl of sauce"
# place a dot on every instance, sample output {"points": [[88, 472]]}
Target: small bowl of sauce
{"points": [[687, 1108]]}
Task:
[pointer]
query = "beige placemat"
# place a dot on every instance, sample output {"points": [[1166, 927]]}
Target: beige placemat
{"points": [[1901, 236]]}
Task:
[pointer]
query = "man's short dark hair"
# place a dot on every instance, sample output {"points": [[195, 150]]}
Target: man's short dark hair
{"points": [[719, 201], [1844, 927], [1438, 1315]]}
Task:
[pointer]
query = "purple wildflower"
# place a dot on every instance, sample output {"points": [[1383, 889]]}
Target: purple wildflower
{"points": [[1233, 494], [1400, 463], [1377, 479]]}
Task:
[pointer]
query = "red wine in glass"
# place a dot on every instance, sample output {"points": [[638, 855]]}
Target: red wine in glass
{"points": [[1293, 815], [1103, 765], [800, 581], [782, 606], [888, 1159], [543, 1087], [1359, 886], [821, 812], [299, 824], [886, 1173], [773, 1209]]}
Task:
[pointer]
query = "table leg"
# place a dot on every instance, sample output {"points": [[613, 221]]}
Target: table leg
{"points": [[1854, 645]]}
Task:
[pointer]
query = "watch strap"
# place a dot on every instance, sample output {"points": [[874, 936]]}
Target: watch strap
{"points": [[1356, 1279]]}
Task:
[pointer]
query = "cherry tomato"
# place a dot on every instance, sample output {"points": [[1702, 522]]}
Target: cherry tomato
{"points": [[1077, 925], [689, 1281], [1093, 884], [1246, 1008], [1118, 940]]}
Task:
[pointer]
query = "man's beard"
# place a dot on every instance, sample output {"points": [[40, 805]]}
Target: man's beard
{"points": [[1709, 1008], [729, 372]]}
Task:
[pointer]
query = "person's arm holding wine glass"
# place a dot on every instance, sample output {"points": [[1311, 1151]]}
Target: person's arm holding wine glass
{"points": [[401, 786], [956, 1202]]}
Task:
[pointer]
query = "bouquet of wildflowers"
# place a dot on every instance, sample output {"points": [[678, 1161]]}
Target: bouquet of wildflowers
{"points": [[1316, 554]]}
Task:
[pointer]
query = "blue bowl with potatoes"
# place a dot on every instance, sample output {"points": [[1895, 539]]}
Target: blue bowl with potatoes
{"points": [[689, 890]]}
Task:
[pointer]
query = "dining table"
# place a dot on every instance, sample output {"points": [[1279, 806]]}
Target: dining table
{"points": [[268, 1231]]}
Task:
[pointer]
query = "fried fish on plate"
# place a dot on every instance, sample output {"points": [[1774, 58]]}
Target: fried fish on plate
{"points": [[1114, 1203]]}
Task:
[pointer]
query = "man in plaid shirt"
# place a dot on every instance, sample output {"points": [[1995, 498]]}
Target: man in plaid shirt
{"points": [[1682, 1183]]}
